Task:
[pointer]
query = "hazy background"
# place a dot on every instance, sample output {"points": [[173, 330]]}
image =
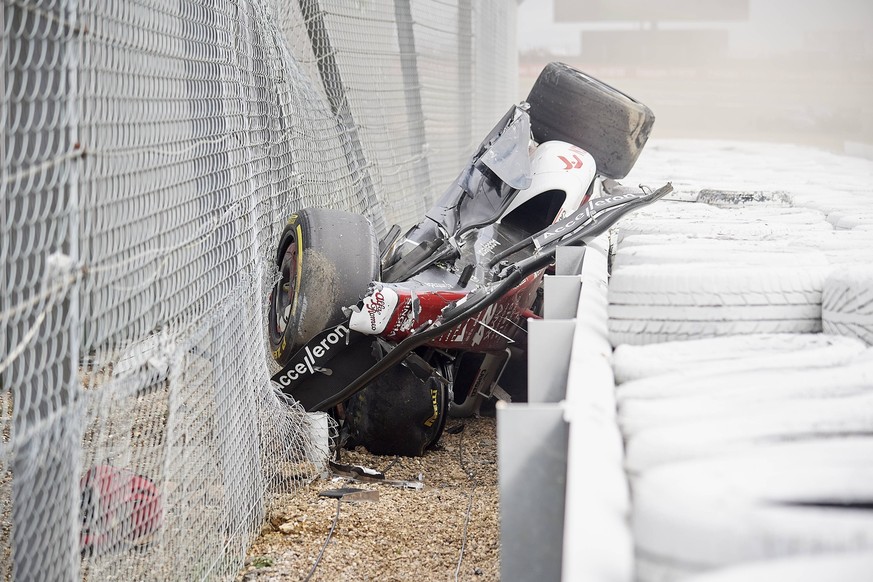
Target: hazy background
{"points": [[798, 71]]}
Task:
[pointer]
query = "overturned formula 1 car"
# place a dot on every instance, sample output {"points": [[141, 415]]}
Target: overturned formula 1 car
{"points": [[392, 336]]}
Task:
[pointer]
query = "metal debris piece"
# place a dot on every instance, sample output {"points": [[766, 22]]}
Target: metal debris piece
{"points": [[351, 494], [356, 472], [417, 485], [367, 475]]}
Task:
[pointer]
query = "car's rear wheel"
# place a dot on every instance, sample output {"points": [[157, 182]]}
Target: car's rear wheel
{"points": [[568, 105], [398, 413], [326, 260]]}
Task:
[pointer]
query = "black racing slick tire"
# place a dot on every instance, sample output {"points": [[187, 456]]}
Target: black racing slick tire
{"points": [[568, 105], [398, 413], [326, 260]]}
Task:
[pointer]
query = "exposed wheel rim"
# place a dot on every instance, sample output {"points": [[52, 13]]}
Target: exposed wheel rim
{"points": [[285, 290]]}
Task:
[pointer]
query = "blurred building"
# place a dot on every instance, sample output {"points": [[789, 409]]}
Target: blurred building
{"points": [[783, 70]]}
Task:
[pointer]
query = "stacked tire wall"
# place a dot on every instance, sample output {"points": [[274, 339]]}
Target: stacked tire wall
{"points": [[739, 313]]}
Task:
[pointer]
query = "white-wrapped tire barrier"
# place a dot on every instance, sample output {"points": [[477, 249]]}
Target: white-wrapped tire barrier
{"points": [[730, 353], [657, 303], [847, 303]]}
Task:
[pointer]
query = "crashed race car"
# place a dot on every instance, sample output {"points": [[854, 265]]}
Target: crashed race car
{"points": [[393, 336]]}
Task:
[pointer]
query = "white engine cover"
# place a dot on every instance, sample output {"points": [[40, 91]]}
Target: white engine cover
{"points": [[558, 165]]}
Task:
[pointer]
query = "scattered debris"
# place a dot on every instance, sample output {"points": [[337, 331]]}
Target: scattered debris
{"points": [[351, 494], [383, 541], [365, 474], [734, 198]]}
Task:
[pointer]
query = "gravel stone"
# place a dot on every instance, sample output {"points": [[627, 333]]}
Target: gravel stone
{"points": [[407, 534]]}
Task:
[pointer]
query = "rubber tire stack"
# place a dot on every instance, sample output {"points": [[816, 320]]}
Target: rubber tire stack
{"points": [[746, 447], [673, 300]]}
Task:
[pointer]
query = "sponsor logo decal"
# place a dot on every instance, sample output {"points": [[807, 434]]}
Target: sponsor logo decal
{"points": [[281, 348], [585, 214], [377, 309], [573, 164], [295, 301], [480, 378], [408, 315], [312, 353], [436, 408], [435, 285], [489, 247], [404, 320]]}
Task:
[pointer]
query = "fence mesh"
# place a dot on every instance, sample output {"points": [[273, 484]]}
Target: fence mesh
{"points": [[152, 150]]}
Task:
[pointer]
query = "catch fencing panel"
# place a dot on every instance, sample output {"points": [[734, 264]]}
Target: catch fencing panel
{"points": [[152, 151]]}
